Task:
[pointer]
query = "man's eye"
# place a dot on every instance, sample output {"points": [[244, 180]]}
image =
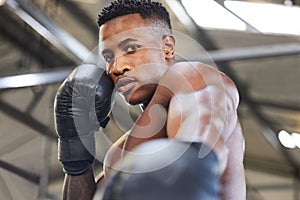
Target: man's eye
{"points": [[131, 48], [108, 58]]}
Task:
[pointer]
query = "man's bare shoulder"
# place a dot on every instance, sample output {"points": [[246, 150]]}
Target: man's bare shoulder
{"points": [[193, 76], [196, 69], [193, 65]]}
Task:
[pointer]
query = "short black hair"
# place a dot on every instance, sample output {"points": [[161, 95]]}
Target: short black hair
{"points": [[146, 8]]}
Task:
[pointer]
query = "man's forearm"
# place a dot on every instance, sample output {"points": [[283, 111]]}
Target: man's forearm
{"points": [[233, 180], [79, 187]]}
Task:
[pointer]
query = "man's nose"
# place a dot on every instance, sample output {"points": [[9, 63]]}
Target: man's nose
{"points": [[120, 67]]}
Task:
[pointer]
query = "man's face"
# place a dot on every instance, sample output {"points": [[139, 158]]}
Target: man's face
{"points": [[134, 56]]}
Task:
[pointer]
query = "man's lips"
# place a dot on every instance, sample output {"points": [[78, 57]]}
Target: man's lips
{"points": [[125, 84]]}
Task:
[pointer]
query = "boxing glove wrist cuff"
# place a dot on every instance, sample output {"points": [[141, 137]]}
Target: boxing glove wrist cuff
{"points": [[76, 168], [76, 153]]}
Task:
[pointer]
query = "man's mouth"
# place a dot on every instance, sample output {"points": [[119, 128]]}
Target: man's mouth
{"points": [[125, 84]]}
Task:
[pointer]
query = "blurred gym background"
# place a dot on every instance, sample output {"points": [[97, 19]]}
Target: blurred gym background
{"points": [[255, 42]]}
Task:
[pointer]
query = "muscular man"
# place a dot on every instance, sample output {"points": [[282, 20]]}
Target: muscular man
{"points": [[184, 101]]}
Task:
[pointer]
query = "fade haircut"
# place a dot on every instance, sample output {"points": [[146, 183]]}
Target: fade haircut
{"points": [[152, 12]]}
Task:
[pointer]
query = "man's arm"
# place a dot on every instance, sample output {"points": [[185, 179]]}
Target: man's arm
{"points": [[233, 179], [203, 106], [194, 115], [82, 104], [79, 187]]}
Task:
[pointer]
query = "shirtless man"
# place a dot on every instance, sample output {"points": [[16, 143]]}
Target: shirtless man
{"points": [[184, 101]]}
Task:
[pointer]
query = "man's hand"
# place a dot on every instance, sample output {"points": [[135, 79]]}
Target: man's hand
{"points": [[82, 104]]}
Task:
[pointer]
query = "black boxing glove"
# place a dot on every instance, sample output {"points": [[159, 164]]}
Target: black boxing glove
{"points": [[82, 104]]}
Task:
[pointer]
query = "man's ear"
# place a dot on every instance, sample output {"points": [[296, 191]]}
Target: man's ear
{"points": [[169, 46]]}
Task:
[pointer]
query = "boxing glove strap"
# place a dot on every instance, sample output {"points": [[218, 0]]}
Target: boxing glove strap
{"points": [[76, 153], [76, 148]]}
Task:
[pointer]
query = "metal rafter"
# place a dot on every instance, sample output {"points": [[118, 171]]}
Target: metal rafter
{"points": [[29, 176], [52, 32], [27, 120], [246, 53], [273, 104], [37, 97], [249, 27], [34, 79], [29, 41], [81, 16]]}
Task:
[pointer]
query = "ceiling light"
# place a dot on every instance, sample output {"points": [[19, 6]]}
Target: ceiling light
{"points": [[267, 17], [286, 139], [209, 14], [2, 2], [296, 138]]}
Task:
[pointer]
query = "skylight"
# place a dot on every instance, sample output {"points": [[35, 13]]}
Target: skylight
{"points": [[265, 17], [209, 14], [268, 18]]}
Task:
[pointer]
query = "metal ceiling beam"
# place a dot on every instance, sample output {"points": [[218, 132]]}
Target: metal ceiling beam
{"points": [[265, 165], [256, 52], [28, 120], [287, 186], [53, 33], [271, 103], [37, 97], [29, 176], [225, 55], [34, 79], [249, 27], [80, 15], [29, 42]]}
